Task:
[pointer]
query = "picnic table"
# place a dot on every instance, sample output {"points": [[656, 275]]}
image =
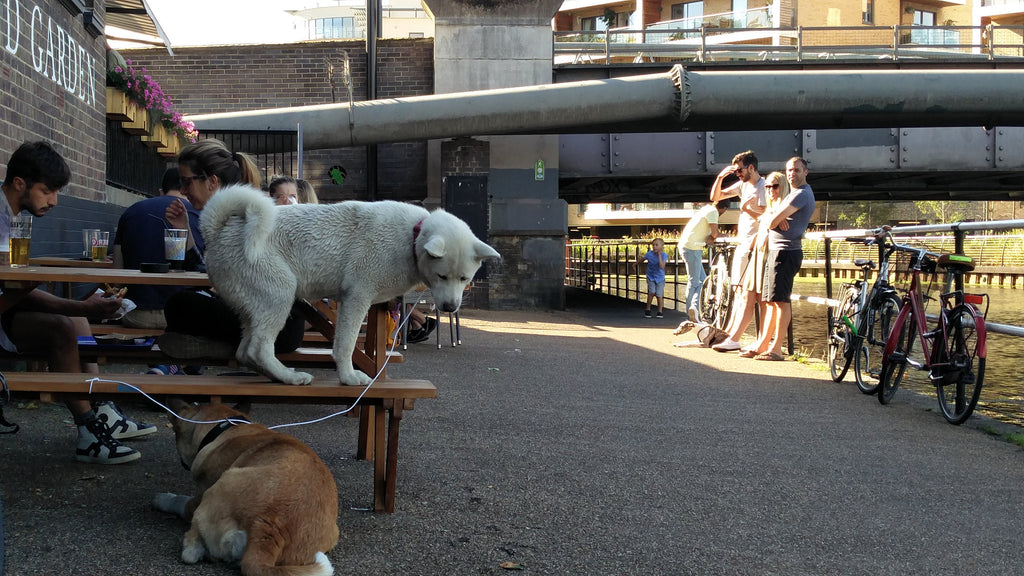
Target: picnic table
{"points": [[378, 436]]}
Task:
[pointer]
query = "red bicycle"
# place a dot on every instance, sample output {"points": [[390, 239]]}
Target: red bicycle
{"points": [[953, 352]]}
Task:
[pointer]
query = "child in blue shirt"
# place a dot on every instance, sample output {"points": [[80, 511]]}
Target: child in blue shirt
{"points": [[656, 259]]}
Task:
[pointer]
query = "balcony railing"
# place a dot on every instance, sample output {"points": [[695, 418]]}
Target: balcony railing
{"points": [[660, 42]]}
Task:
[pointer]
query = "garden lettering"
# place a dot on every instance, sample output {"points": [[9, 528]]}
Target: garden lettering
{"points": [[55, 53]]}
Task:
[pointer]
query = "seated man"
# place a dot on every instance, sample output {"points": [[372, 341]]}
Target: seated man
{"points": [[140, 239], [45, 325]]}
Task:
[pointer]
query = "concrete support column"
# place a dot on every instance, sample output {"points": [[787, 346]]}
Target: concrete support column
{"points": [[486, 45]]}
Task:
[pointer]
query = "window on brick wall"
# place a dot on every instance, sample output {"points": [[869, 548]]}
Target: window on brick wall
{"points": [[324, 28], [868, 12]]}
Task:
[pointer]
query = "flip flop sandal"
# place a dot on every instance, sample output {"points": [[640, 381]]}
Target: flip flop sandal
{"points": [[769, 356], [748, 354]]}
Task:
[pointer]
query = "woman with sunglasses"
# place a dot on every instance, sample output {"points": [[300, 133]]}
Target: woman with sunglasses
{"points": [[200, 325]]}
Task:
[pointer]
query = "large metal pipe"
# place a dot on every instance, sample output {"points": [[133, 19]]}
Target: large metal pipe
{"points": [[672, 101]]}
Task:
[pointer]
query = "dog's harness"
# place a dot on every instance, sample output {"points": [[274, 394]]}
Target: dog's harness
{"points": [[215, 433], [416, 234]]}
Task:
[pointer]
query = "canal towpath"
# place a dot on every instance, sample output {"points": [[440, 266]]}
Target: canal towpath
{"points": [[580, 442]]}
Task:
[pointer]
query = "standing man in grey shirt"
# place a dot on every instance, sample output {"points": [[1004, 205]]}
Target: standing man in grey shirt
{"points": [[789, 221]]}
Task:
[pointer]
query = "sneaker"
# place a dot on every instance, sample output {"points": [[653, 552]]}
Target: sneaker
{"points": [[727, 345], [120, 426], [165, 370], [177, 345], [659, 315], [430, 326], [684, 327], [647, 313], [692, 313], [416, 336], [749, 348], [96, 445]]}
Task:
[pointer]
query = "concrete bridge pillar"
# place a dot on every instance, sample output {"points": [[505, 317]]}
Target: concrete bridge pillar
{"points": [[481, 45]]}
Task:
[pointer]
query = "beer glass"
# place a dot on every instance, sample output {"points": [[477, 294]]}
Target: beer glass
{"points": [[98, 241], [21, 239]]}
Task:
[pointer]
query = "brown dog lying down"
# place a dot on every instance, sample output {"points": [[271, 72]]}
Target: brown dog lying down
{"points": [[263, 499]]}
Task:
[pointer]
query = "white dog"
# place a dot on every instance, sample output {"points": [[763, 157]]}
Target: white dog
{"points": [[262, 257]]}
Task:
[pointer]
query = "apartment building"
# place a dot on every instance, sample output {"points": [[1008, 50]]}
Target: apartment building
{"points": [[653, 27]]}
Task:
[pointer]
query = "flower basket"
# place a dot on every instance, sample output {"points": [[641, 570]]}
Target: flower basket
{"points": [[140, 124], [172, 148], [119, 107], [159, 136]]}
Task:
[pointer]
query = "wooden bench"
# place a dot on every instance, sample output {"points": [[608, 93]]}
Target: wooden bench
{"points": [[378, 437]]}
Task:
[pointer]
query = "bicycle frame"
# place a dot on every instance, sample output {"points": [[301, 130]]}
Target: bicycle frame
{"points": [[913, 306]]}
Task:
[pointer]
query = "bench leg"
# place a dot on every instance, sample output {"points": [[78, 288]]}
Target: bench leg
{"points": [[386, 465], [364, 448], [380, 474]]}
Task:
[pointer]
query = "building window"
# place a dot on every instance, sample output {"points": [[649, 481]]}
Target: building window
{"points": [[869, 12], [608, 20], [689, 10], [324, 28], [923, 18]]}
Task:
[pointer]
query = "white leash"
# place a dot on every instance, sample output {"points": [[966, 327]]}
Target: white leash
{"points": [[387, 358]]}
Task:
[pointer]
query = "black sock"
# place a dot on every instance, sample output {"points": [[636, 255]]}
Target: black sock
{"points": [[85, 418]]}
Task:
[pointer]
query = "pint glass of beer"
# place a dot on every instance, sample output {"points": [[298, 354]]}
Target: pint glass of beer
{"points": [[175, 242], [98, 241], [21, 239]]}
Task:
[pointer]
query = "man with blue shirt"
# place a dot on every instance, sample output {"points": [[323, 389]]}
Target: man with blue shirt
{"points": [[140, 239], [789, 221]]}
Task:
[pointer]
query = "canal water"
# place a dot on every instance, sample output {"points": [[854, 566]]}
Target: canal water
{"points": [[1002, 395]]}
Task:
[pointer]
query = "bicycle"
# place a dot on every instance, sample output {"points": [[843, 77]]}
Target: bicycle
{"points": [[860, 323], [715, 296], [954, 352]]}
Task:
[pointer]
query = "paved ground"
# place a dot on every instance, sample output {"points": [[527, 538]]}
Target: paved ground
{"points": [[579, 442]]}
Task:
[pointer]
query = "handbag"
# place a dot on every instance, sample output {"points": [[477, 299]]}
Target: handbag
{"points": [[710, 335]]}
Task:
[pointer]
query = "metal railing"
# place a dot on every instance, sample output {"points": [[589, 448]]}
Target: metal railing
{"points": [[663, 42], [607, 265]]}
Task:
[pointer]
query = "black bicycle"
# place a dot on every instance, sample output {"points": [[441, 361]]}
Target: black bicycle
{"points": [[715, 297], [860, 323]]}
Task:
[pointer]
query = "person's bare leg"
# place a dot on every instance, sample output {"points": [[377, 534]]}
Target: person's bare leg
{"points": [[741, 320], [785, 313], [764, 339]]}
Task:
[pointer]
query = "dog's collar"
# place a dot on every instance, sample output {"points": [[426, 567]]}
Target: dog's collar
{"points": [[215, 433], [416, 234]]}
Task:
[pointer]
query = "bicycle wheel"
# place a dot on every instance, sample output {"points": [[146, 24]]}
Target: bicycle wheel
{"points": [[960, 379], [871, 345], [712, 299], [894, 365], [840, 337], [724, 302]]}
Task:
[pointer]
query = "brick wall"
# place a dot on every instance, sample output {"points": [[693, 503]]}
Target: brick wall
{"points": [[204, 80], [465, 157], [60, 99]]}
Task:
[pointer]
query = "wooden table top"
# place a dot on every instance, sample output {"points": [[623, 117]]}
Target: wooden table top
{"points": [[35, 275], [66, 262]]}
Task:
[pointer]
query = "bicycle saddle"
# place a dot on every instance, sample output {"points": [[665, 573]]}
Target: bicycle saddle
{"points": [[957, 262]]}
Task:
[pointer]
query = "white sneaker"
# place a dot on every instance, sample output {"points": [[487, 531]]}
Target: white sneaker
{"points": [[727, 345], [120, 426], [96, 445]]}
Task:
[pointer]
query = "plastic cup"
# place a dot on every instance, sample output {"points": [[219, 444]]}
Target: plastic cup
{"points": [[20, 239], [98, 242], [175, 240], [87, 241]]}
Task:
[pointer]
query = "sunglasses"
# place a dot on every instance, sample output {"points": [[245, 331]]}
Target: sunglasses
{"points": [[771, 186], [186, 181]]}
